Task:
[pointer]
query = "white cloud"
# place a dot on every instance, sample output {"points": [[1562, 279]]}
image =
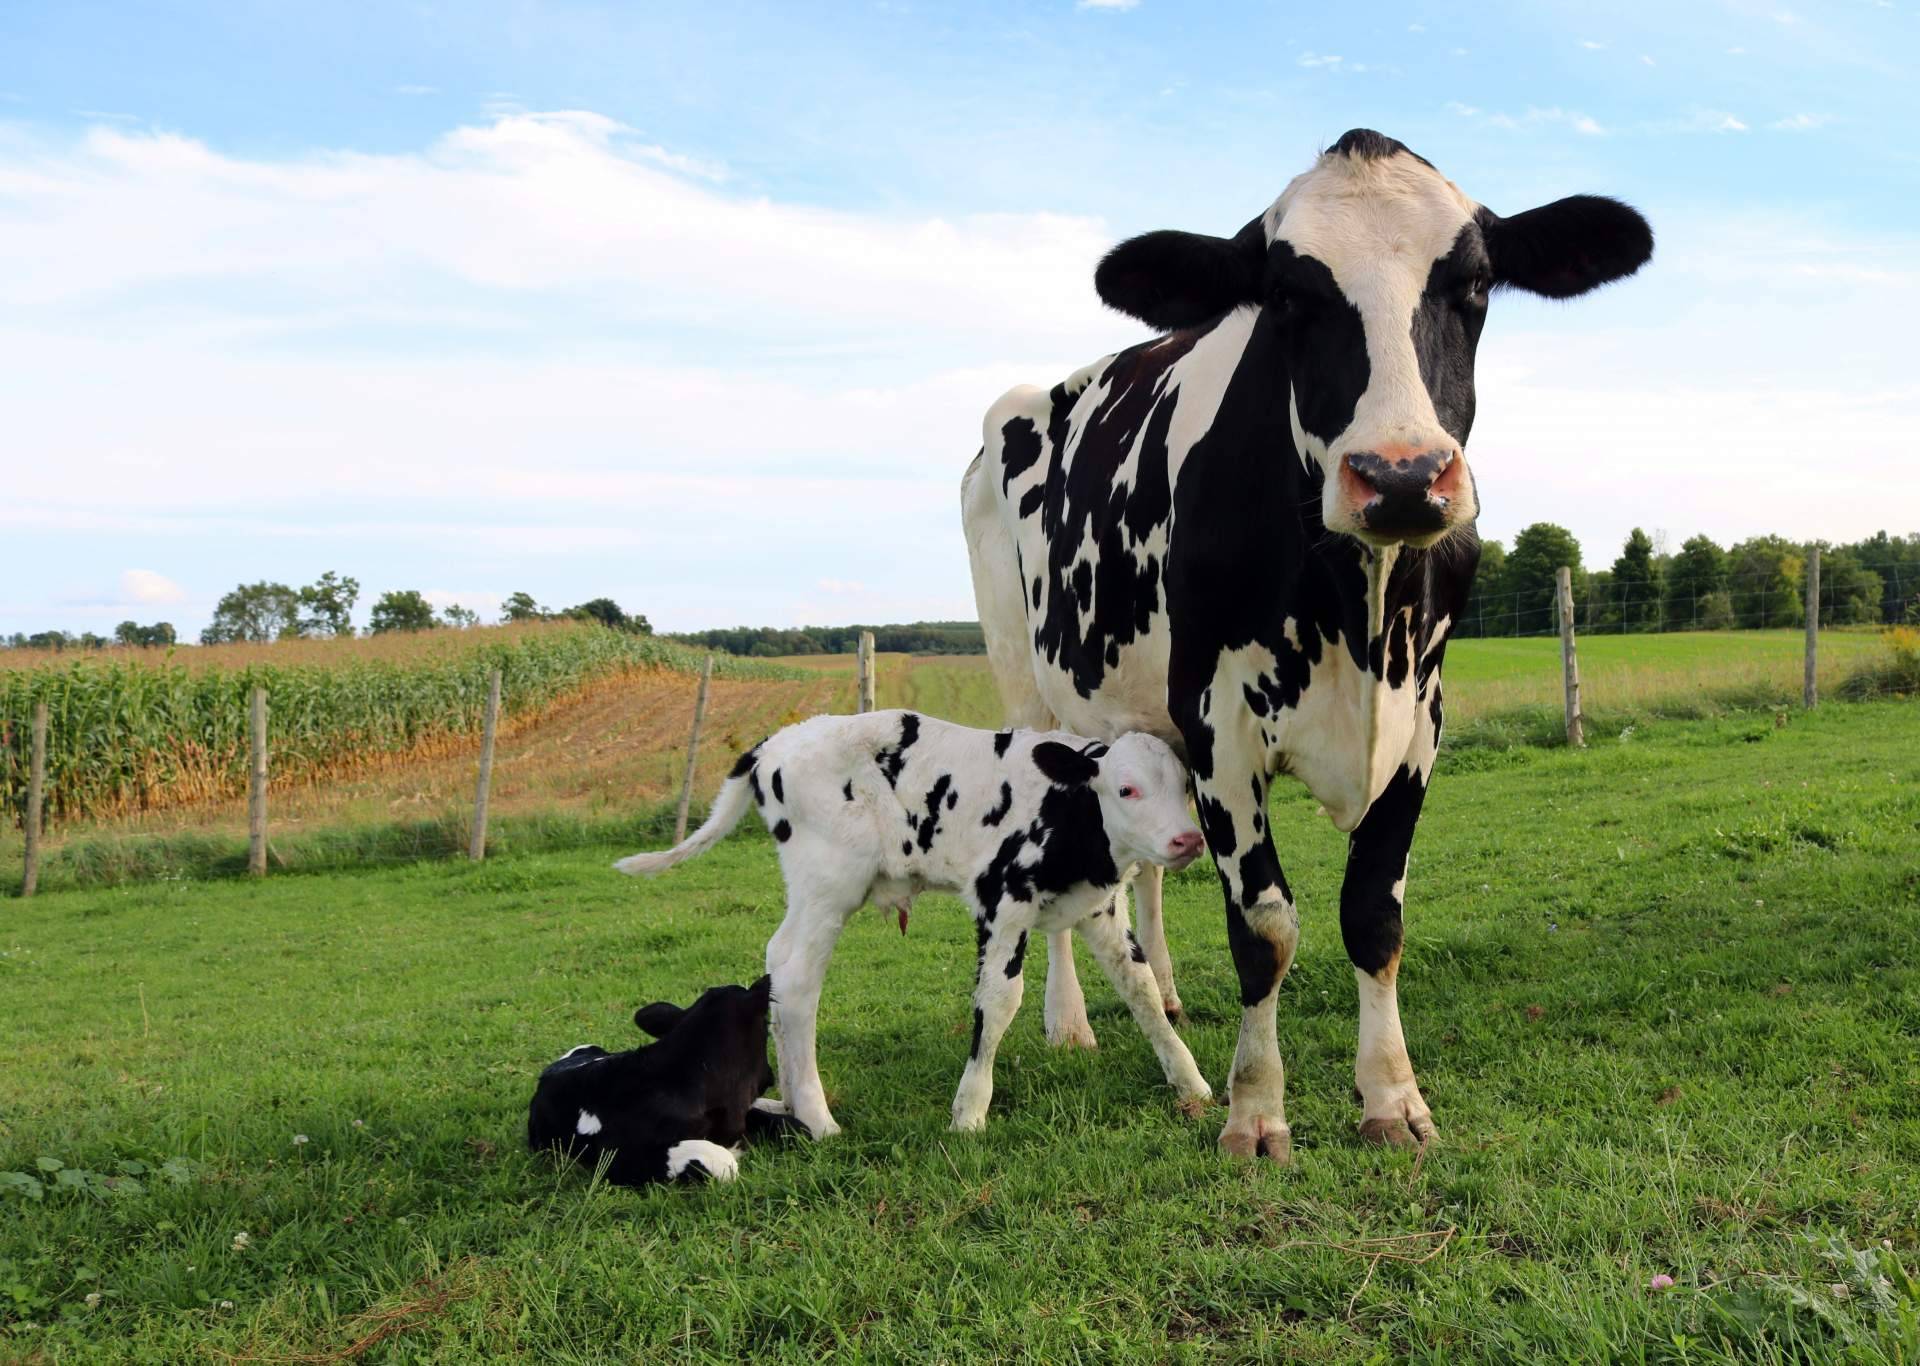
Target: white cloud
{"points": [[1416, 28], [841, 587], [1106, 4], [1801, 123], [1533, 118], [1459, 52], [146, 587], [1592, 46], [1310, 59], [1645, 60], [1736, 52], [474, 600]]}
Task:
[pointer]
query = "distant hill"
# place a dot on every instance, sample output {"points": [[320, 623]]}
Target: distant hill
{"points": [[915, 637]]}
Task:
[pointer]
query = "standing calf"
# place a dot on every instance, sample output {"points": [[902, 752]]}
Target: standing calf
{"points": [[1034, 831]]}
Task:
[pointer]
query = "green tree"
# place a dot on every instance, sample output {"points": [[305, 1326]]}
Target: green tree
{"points": [[1538, 553], [1698, 570], [1764, 578], [459, 617], [402, 610], [609, 613], [522, 607], [254, 611], [1636, 585], [329, 604], [133, 633], [1850, 593], [1486, 610]]}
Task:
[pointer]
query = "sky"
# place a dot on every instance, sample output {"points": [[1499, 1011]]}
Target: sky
{"points": [[699, 306]]}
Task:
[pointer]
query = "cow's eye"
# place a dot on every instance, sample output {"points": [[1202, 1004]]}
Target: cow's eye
{"points": [[1477, 287], [1129, 792]]}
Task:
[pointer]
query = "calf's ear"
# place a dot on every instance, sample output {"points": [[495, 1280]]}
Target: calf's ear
{"points": [[1063, 763], [1568, 247], [659, 1018], [761, 992], [1170, 280]]}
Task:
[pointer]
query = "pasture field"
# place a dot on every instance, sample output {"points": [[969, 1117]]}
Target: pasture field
{"points": [[1662, 994], [583, 766]]}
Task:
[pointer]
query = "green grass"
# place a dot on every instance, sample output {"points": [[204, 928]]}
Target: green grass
{"points": [[1662, 995]]}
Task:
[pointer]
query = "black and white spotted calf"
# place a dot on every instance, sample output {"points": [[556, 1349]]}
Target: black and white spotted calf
{"points": [[669, 1111], [1250, 535], [1034, 831]]}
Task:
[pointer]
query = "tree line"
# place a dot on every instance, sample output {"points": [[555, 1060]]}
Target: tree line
{"points": [[918, 637], [1759, 582], [266, 611]]}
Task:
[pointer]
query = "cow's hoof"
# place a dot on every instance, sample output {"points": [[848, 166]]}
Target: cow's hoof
{"points": [[1275, 1144], [1176, 1013], [1392, 1131]]}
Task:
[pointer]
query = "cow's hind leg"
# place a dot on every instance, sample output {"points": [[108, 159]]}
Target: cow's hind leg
{"points": [[1151, 930], [996, 997], [1371, 901], [1124, 961], [1263, 931]]}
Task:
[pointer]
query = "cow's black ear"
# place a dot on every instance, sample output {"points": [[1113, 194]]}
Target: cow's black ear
{"points": [[1170, 280], [659, 1018], [1063, 763], [761, 992], [1568, 247]]}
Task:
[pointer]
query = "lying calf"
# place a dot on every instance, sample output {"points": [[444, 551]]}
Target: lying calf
{"points": [[1035, 831], [671, 1110]]}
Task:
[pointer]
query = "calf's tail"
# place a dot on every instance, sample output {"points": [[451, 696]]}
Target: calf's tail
{"points": [[728, 807]]}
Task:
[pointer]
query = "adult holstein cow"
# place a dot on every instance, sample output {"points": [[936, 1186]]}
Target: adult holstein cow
{"points": [[1250, 537]]}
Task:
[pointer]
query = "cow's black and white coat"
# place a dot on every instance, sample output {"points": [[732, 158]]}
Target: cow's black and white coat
{"points": [[1033, 830], [674, 1110], [1250, 536]]}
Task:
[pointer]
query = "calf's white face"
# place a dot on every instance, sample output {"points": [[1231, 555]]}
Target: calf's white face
{"points": [[1142, 789]]}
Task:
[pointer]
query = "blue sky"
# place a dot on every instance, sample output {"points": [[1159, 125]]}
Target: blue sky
{"points": [[699, 306]]}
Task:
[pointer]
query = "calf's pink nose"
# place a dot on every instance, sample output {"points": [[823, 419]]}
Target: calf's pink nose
{"points": [[1185, 845]]}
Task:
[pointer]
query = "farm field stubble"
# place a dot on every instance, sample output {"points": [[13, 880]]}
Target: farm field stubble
{"points": [[1662, 995]]}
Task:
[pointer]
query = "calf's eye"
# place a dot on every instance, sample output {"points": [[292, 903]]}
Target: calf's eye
{"points": [[1129, 792]]}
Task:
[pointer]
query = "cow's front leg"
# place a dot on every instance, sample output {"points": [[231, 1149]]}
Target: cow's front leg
{"points": [[996, 996], [1122, 958], [1066, 1005], [1152, 931], [1371, 900], [1262, 930]]}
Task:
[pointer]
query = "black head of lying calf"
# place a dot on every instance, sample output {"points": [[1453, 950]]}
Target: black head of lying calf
{"points": [[670, 1110]]}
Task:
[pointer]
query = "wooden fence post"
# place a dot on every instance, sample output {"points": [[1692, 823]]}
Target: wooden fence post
{"points": [[1811, 693], [693, 748], [1569, 661], [257, 784], [866, 671], [477, 841], [36, 798]]}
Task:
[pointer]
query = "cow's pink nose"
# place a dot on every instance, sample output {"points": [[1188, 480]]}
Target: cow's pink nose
{"points": [[1185, 846]]}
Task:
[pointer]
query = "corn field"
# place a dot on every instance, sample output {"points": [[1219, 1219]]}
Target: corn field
{"points": [[138, 730]]}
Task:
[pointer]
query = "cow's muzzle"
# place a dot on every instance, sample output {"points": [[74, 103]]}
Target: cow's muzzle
{"points": [[1399, 495]]}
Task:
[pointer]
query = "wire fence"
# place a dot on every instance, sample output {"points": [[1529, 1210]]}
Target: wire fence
{"points": [[1759, 600]]}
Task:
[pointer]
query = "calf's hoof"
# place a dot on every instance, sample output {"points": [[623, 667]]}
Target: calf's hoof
{"points": [[1176, 1013], [1072, 1036], [969, 1124], [1196, 1105], [1273, 1142], [1394, 1131]]}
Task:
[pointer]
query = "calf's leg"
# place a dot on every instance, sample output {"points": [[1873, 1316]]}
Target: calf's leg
{"points": [[1124, 960], [1152, 932], [996, 997], [797, 958], [1066, 1007]]}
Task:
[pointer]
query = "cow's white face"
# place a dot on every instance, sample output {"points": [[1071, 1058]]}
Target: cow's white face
{"points": [[1371, 273], [1378, 280]]}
